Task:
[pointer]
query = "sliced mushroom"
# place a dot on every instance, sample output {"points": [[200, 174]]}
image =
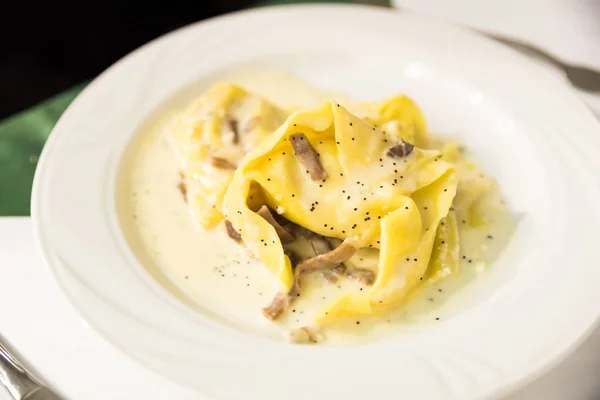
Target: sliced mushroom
{"points": [[324, 261], [222, 163], [231, 232], [400, 150], [284, 235], [278, 305], [340, 269], [320, 244], [233, 126], [300, 231], [304, 335], [183, 189], [182, 186], [330, 276], [308, 157], [363, 276]]}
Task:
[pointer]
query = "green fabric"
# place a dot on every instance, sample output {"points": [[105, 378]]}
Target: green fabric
{"points": [[22, 137]]}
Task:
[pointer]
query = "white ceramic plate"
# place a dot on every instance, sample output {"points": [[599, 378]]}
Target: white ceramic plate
{"points": [[529, 130]]}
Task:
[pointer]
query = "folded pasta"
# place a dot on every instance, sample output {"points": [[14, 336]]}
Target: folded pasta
{"points": [[212, 136], [351, 180]]}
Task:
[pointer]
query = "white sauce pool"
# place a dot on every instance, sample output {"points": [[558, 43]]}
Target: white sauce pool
{"points": [[212, 274]]}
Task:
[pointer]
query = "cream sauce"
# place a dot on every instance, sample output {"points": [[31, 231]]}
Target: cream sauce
{"points": [[212, 274]]}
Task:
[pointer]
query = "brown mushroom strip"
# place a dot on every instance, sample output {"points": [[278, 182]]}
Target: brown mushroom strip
{"points": [[303, 335], [182, 186], [183, 189], [233, 126], [320, 244], [363, 276], [284, 235], [300, 231], [339, 269], [221, 163], [328, 260], [278, 305], [308, 157], [330, 276], [231, 232], [400, 150], [251, 124]]}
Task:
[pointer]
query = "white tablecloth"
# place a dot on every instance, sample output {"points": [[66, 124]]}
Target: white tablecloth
{"points": [[47, 332]]}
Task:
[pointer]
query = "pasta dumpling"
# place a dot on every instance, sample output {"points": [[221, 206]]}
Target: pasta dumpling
{"points": [[212, 136], [339, 177]]}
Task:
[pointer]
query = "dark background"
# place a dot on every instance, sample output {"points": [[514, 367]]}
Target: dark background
{"points": [[49, 46]]}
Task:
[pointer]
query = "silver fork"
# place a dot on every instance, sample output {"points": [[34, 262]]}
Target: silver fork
{"points": [[582, 78], [21, 384]]}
